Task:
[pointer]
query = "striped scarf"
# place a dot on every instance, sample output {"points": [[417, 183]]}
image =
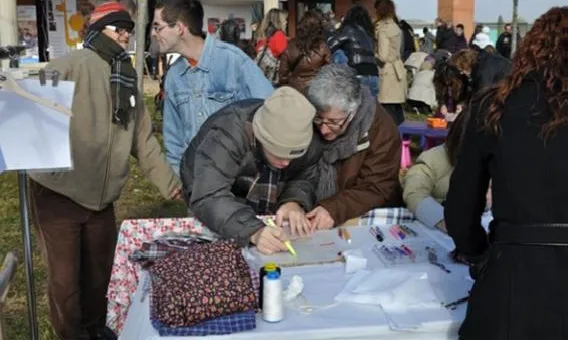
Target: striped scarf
{"points": [[123, 76], [263, 191]]}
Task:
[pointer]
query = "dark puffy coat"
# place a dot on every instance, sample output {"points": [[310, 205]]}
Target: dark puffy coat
{"points": [[359, 48], [219, 163], [490, 69]]}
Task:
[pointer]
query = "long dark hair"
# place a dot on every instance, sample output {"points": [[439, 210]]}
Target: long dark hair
{"points": [[359, 16], [451, 81], [455, 136], [544, 50], [309, 34]]}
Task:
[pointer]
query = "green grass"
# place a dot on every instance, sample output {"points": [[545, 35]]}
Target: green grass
{"points": [[139, 200]]}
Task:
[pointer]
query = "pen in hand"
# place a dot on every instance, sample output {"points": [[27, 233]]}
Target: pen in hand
{"points": [[288, 244]]}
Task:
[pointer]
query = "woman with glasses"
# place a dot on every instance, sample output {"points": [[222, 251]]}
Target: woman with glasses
{"points": [[361, 157]]}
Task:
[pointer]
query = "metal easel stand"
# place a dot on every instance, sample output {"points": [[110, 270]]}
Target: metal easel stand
{"points": [[28, 254], [13, 54]]}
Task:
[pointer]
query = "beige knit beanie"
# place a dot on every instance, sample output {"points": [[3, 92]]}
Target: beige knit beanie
{"points": [[283, 125]]}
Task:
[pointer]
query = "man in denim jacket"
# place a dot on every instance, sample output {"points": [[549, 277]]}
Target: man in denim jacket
{"points": [[209, 74]]}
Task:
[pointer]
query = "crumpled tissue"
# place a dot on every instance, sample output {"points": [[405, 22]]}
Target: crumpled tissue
{"points": [[354, 260]]}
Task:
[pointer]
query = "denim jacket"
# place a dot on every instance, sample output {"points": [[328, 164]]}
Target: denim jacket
{"points": [[223, 75]]}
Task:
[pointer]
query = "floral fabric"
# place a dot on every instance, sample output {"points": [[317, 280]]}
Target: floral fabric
{"points": [[201, 283], [133, 233]]}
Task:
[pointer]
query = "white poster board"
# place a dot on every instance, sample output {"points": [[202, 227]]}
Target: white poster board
{"points": [[32, 136]]}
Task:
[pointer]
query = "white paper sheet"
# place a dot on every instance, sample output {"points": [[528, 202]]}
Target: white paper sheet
{"points": [[31, 135], [321, 247]]}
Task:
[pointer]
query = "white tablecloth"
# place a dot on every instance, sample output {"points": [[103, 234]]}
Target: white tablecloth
{"points": [[342, 321]]}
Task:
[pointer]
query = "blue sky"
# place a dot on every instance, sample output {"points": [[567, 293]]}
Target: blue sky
{"points": [[486, 10]]}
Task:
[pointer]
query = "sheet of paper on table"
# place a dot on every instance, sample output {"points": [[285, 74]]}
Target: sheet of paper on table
{"points": [[321, 247], [324, 246], [31, 135]]}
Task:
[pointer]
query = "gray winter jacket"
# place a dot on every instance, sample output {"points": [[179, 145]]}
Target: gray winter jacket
{"points": [[220, 158]]}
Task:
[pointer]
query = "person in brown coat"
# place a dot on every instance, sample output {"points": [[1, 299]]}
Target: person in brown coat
{"points": [[360, 161], [300, 63]]}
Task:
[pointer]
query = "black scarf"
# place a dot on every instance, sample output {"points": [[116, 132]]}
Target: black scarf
{"points": [[123, 78]]}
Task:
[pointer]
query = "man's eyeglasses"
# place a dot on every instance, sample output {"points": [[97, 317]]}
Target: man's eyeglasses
{"points": [[334, 124], [158, 28]]}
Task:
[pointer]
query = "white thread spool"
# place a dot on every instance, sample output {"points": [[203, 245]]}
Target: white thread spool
{"points": [[272, 305]]}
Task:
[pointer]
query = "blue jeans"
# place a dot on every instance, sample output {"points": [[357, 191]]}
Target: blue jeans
{"points": [[339, 57], [372, 82]]}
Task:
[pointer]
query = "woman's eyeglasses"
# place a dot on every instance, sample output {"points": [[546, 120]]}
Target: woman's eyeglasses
{"points": [[120, 30], [334, 124]]}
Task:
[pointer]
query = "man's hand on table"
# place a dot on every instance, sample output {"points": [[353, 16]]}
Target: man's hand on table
{"points": [[296, 217], [269, 240], [320, 219]]}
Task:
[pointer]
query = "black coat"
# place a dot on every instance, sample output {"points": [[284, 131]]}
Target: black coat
{"points": [[359, 47], [457, 43], [520, 292], [504, 44], [490, 69], [444, 38], [220, 163]]}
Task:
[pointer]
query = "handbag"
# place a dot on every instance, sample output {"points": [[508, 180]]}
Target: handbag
{"points": [[201, 283], [268, 63]]}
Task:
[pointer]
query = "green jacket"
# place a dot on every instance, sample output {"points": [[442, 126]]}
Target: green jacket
{"points": [[100, 150], [429, 177]]}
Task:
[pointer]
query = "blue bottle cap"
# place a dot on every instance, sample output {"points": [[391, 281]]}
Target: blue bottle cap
{"points": [[273, 275]]}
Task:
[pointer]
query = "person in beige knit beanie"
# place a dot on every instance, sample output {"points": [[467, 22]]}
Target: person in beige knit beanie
{"points": [[252, 158]]}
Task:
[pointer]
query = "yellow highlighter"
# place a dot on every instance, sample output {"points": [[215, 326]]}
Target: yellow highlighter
{"points": [[288, 245]]}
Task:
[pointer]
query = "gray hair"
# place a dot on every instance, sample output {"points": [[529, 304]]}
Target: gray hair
{"points": [[335, 86]]}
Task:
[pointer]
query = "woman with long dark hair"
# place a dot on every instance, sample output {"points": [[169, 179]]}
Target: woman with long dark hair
{"points": [[516, 137], [300, 63], [355, 40]]}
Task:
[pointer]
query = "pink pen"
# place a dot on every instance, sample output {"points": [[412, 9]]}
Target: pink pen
{"points": [[399, 231], [394, 233]]}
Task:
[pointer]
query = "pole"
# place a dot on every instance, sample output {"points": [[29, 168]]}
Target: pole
{"points": [[28, 259], [141, 15], [42, 32], [515, 25]]}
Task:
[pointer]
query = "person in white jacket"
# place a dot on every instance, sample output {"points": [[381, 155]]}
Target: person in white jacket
{"points": [[422, 93]]}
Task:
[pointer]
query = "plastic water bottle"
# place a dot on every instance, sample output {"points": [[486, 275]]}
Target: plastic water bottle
{"points": [[273, 306]]}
